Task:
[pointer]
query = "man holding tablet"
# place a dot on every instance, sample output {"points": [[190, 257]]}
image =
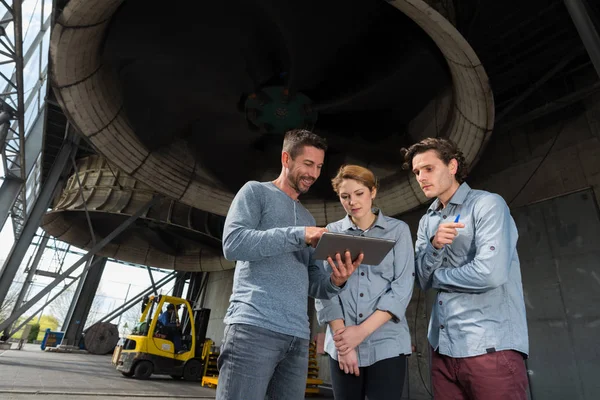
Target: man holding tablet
{"points": [[271, 236], [466, 249]]}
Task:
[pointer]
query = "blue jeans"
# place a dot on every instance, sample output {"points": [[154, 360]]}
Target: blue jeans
{"points": [[258, 364]]}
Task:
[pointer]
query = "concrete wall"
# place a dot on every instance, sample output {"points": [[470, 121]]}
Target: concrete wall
{"points": [[558, 250], [218, 291], [545, 159]]}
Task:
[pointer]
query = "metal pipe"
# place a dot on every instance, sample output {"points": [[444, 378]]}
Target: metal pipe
{"points": [[587, 31]]}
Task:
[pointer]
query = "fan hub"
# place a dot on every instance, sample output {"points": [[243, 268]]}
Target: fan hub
{"points": [[275, 110]]}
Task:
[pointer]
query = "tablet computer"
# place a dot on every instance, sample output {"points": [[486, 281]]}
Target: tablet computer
{"points": [[374, 249]]}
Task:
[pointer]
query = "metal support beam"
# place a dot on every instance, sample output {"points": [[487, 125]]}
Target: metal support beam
{"points": [[179, 284], [29, 279], [547, 76], [18, 158], [49, 274], [22, 324], [83, 200], [549, 108], [69, 250], [152, 281], [136, 299], [589, 35], [195, 286], [78, 289], [21, 203], [51, 187], [109, 238], [10, 189], [82, 303]]}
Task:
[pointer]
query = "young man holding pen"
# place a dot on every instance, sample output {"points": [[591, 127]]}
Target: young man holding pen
{"points": [[466, 250]]}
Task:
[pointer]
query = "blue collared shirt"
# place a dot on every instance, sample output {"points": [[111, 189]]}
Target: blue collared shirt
{"points": [[480, 306], [386, 287]]}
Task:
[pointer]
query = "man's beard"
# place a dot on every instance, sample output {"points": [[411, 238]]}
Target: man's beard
{"points": [[294, 182]]}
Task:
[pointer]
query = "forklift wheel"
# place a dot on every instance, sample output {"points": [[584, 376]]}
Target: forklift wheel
{"points": [[143, 369], [192, 371]]}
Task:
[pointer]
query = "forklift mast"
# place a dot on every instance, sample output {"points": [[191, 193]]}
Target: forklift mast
{"points": [[201, 318]]}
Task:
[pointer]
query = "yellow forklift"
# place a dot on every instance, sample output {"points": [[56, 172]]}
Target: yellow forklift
{"points": [[169, 339]]}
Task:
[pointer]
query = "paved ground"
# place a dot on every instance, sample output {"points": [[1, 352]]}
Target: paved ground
{"points": [[32, 374]]}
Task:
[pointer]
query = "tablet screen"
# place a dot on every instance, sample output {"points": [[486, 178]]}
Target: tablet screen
{"points": [[374, 249]]}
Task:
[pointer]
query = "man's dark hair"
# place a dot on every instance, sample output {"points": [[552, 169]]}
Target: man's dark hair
{"points": [[446, 151], [295, 140]]}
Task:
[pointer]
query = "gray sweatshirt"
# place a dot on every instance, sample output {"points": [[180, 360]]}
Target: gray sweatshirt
{"points": [[274, 274]]}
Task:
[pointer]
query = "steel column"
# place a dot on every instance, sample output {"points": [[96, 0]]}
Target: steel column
{"points": [[9, 191], [179, 284], [21, 203], [587, 31], [82, 303]]}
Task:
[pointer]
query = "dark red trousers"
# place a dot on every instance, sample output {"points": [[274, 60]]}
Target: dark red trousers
{"points": [[500, 375]]}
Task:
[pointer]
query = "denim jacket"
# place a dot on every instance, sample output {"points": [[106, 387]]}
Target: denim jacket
{"points": [[479, 306]]}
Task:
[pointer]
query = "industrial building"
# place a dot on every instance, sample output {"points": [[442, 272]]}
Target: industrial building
{"points": [[127, 127]]}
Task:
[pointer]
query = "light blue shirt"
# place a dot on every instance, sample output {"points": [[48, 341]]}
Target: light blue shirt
{"points": [[386, 287], [479, 306], [274, 274]]}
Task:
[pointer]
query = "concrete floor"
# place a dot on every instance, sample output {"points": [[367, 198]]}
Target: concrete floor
{"points": [[34, 374]]}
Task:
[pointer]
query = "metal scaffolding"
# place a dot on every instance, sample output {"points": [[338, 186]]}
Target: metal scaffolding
{"points": [[23, 73]]}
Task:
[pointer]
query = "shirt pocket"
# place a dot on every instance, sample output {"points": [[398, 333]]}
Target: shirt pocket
{"points": [[385, 270], [464, 242]]}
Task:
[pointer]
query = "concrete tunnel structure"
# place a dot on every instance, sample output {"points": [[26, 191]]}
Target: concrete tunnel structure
{"points": [[194, 125]]}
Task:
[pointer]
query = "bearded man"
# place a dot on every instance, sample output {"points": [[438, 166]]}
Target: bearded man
{"points": [[271, 236]]}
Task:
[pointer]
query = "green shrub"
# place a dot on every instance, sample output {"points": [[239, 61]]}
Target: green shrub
{"points": [[33, 333]]}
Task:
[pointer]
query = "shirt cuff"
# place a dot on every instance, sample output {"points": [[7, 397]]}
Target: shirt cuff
{"points": [[332, 288], [388, 304], [299, 235], [434, 256], [329, 314]]}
